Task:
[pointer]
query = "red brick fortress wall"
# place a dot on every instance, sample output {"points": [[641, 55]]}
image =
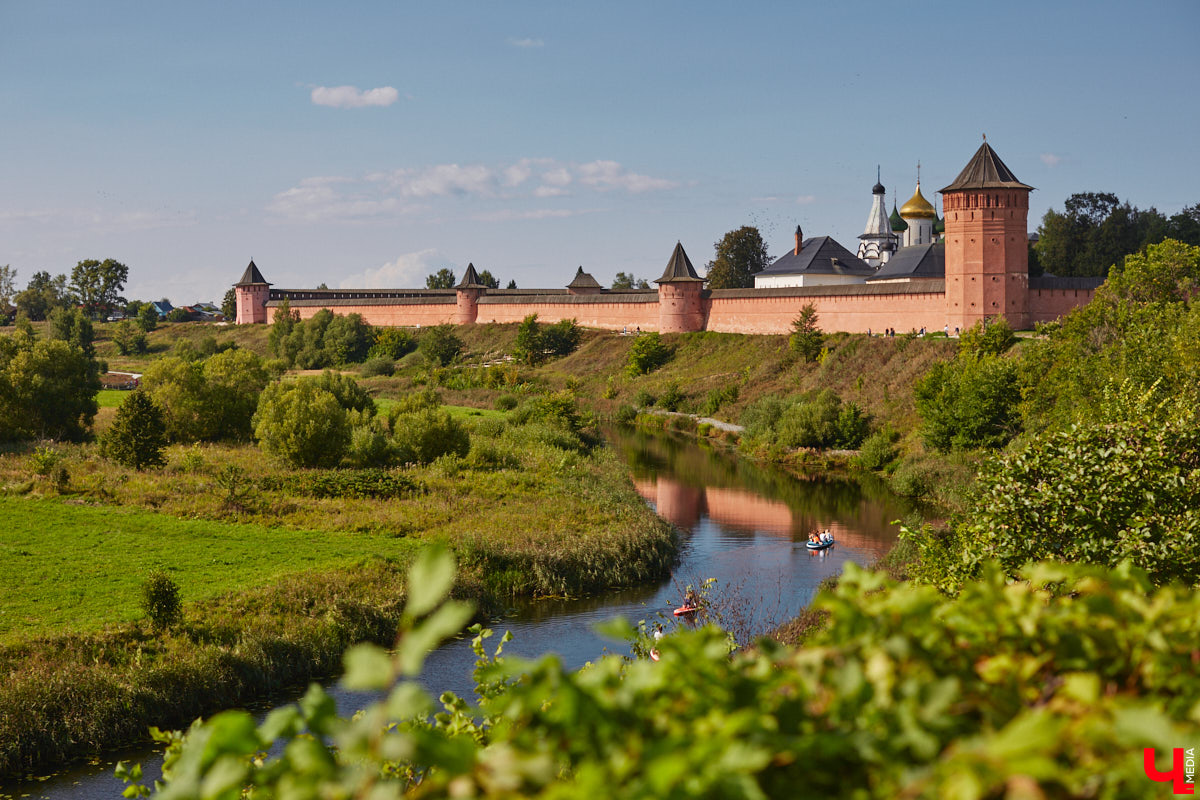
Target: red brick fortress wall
{"points": [[856, 308]]}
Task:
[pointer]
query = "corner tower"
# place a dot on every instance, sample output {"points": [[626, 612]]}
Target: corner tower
{"points": [[252, 293], [987, 243], [680, 306], [467, 294]]}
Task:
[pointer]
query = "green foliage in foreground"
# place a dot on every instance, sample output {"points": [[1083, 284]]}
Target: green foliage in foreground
{"points": [[1048, 686], [1099, 494]]}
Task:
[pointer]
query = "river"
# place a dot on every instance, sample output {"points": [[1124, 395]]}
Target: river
{"points": [[742, 523]]}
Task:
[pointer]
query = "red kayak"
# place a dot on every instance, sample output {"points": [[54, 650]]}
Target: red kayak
{"points": [[683, 610]]}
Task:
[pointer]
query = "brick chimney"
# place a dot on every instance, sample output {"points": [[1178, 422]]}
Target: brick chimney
{"points": [[799, 240]]}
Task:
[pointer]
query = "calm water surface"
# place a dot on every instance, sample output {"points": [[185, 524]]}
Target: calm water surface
{"points": [[740, 522]]}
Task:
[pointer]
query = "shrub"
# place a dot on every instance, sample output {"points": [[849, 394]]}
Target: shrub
{"points": [[349, 394], [561, 338], [207, 400], [987, 338], [370, 447], [302, 423], [648, 353], [643, 399], [720, 397], [138, 434], [440, 344], [672, 398], [378, 366], [626, 414], [424, 436], [506, 402], [971, 402], [879, 449], [391, 343], [160, 600], [610, 388], [352, 484], [43, 460]]}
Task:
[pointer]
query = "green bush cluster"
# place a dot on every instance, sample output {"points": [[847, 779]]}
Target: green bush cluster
{"points": [[1040, 687], [207, 400], [130, 338], [648, 353], [440, 344], [819, 420], [535, 343], [717, 398], [391, 343], [160, 600], [324, 340], [358, 484], [47, 389]]}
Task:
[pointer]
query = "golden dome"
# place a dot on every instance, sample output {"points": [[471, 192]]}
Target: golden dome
{"points": [[918, 207]]}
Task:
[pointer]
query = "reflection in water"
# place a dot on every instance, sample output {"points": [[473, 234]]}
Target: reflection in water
{"points": [[742, 523]]}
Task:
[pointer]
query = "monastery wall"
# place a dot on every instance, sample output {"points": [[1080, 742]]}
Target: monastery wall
{"points": [[397, 314], [607, 312], [854, 309], [1047, 305]]}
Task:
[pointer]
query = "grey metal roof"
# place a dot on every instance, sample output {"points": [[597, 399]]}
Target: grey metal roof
{"points": [[251, 276], [1055, 282], [914, 261], [470, 279], [922, 286], [679, 268], [986, 171], [820, 255], [584, 280]]}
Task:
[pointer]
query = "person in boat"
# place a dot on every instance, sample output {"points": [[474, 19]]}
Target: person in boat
{"points": [[691, 599], [658, 633], [826, 537]]}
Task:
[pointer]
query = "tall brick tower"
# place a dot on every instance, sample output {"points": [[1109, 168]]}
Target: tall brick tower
{"points": [[680, 305], [467, 292], [987, 243], [252, 293]]}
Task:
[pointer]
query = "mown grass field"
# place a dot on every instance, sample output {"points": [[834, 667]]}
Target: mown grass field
{"points": [[72, 568]]}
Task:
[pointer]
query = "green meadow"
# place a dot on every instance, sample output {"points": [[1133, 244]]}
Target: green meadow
{"points": [[74, 568]]}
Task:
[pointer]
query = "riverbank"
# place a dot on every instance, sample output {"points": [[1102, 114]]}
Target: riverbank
{"points": [[276, 580]]}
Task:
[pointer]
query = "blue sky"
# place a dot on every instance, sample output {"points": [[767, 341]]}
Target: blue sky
{"points": [[368, 144]]}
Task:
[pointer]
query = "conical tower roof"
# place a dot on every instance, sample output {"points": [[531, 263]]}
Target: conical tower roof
{"points": [[252, 276], [918, 207], [470, 279], [584, 280], [679, 268], [986, 171]]}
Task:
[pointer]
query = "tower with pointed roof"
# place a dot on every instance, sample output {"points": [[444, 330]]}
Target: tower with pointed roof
{"points": [[987, 243], [467, 294], [877, 242], [680, 295], [252, 292]]}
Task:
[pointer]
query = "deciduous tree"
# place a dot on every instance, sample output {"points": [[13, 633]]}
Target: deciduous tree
{"points": [[98, 284], [740, 254], [442, 279]]}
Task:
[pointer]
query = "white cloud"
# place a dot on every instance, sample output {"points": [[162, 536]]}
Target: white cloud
{"points": [[317, 199], [1050, 159], [806, 199], [508, 215], [407, 271], [526, 42], [352, 97], [605, 175], [385, 195]]}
